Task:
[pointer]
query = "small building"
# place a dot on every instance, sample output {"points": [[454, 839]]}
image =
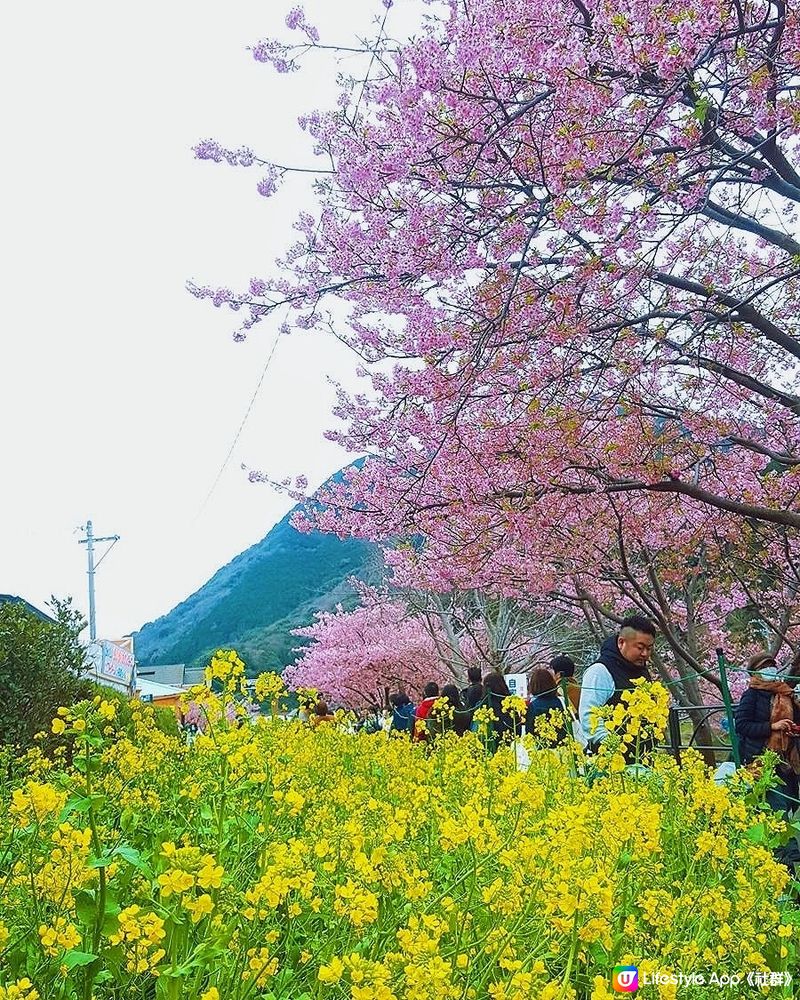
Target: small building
{"points": [[160, 695], [163, 673], [172, 673]]}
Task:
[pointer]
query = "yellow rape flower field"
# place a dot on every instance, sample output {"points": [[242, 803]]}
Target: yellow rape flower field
{"points": [[272, 860]]}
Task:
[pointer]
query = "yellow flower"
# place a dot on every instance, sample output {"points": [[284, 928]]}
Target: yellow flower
{"points": [[260, 966], [107, 710], [600, 990], [58, 726], [269, 686], [22, 989], [141, 934], [360, 906], [36, 802], [329, 833], [332, 972], [175, 881], [199, 907], [210, 875], [61, 936], [514, 705]]}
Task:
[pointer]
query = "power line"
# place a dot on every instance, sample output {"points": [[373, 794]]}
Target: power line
{"points": [[250, 405]]}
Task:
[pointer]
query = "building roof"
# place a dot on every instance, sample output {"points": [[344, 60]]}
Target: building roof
{"points": [[14, 599], [162, 673], [145, 687]]}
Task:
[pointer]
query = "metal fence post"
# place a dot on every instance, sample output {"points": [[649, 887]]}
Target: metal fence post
{"points": [[674, 725], [726, 697]]}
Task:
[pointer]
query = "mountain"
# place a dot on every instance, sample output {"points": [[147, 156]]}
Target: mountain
{"points": [[253, 602]]}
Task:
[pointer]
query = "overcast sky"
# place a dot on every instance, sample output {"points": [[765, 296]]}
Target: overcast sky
{"points": [[120, 394]]}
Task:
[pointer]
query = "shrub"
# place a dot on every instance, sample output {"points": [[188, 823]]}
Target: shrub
{"points": [[40, 665]]}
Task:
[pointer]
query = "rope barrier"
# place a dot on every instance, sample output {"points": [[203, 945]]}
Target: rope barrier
{"points": [[725, 670]]}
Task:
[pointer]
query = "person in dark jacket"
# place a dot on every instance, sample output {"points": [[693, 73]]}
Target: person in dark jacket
{"points": [[764, 718], [503, 725], [623, 659], [454, 717], [563, 667], [472, 695], [402, 713], [544, 689]]}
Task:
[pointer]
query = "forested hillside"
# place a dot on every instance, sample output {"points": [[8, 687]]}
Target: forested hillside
{"points": [[254, 601]]}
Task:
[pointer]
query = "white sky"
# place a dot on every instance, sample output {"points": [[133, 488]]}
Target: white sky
{"points": [[120, 394]]}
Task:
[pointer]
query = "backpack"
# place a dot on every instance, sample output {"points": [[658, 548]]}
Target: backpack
{"points": [[403, 718]]}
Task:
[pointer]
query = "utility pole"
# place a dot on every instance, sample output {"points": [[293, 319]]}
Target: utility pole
{"points": [[89, 542]]}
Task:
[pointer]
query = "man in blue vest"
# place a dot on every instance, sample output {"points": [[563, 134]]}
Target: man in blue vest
{"points": [[623, 659]]}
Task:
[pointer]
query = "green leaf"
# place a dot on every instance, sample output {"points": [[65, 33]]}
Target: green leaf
{"points": [[134, 857], [85, 907], [701, 110], [598, 953], [174, 971], [102, 862], [74, 804], [86, 910], [757, 834], [74, 959]]}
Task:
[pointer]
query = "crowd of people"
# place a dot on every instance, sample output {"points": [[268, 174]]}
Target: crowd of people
{"points": [[450, 710], [553, 689], [767, 717]]}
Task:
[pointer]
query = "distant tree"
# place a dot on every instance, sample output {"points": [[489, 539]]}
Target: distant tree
{"points": [[354, 655], [40, 667]]}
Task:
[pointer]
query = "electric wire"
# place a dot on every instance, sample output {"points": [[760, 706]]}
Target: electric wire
{"points": [[238, 434]]}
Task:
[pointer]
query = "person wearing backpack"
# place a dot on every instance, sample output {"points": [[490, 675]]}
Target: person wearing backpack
{"points": [[472, 695], [402, 713], [544, 702], [563, 667]]}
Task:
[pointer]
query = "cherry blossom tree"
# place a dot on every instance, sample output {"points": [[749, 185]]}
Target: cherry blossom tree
{"points": [[495, 632], [562, 237], [355, 656], [403, 639]]}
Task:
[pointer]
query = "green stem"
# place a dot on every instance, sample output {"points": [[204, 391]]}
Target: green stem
{"points": [[222, 804], [571, 957], [100, 914]]}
